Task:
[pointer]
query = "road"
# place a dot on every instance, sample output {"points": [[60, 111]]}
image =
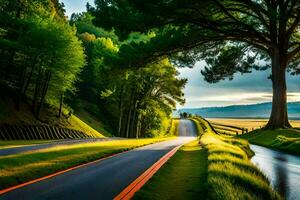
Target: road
{"points": [[34, 147], [282, 169], [104, 179]]}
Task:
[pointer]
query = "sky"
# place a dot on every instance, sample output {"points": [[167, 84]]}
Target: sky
{"points": [[244, 89], [75, 6]]}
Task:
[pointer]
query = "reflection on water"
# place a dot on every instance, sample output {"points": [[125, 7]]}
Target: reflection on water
{"points": [[283, 170]]}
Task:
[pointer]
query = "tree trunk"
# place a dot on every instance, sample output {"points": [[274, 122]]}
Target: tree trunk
{"points": [[36, 90], [138, 126], [129, 113], [121, 110], [279, 115], [44, 92], [29, 77], [134, 120], [61, 104], [21, 87]]}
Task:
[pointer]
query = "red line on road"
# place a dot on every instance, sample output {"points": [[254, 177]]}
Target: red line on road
{"points": [[138, 183]]}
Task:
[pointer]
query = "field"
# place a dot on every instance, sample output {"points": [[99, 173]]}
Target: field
{"points": [[287, 140], [247, 123]]}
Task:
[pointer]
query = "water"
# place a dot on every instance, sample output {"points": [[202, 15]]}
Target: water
{"points": [[282, 169]]}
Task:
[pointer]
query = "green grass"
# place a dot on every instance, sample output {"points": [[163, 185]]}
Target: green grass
{"points": [[78, 124], [9, 115], [19, 168], [231, 175], [221, 170], [182, 177], [282, 139], [225, 132], [91, 120]]}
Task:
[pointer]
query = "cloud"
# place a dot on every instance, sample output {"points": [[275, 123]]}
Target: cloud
{"points": [[244, 89]]}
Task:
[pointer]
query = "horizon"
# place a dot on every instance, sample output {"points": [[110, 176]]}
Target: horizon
{"points": [[268, 102]]}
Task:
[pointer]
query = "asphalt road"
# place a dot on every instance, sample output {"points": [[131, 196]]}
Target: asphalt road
{"points": [[34, 147], [104, 179]]}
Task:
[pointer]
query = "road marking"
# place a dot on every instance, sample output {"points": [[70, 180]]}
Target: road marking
{"points": [[138, 183], [56, 174]]}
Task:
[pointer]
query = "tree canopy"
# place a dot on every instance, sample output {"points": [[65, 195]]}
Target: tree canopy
{"points": [[232, 36]]}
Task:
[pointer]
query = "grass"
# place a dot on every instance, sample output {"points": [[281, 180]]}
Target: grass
{"points": [[225, 131], [9, 115], [91, 120], [231, 175], [182, 177], [19, 168], [287, 140], [219, 169], [78, 124]]}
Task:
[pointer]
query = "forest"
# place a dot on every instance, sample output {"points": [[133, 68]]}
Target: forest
{"points": [[50, 62]]}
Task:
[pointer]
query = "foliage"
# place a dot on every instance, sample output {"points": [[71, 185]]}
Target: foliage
{"points": [[231, 36], [53, 63], [40, 53]]}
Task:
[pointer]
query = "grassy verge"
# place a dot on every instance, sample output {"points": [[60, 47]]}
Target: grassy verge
{"points": [[231, 175], [19, 168], [220, 169], [282, 139], [182, 177]]}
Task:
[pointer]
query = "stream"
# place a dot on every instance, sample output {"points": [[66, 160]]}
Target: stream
{"points": [[282, 169]]}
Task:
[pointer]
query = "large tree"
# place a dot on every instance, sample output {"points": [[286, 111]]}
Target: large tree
{"points": [[231, 35]]}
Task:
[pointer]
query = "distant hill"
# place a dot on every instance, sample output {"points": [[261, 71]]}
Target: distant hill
{"points": [[261, 110]]}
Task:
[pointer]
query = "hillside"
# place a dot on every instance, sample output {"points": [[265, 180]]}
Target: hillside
{"points": [[10, 116], [261, 110]]}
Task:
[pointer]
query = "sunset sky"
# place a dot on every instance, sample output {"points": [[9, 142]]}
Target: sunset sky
{"points": [[246, 89]]}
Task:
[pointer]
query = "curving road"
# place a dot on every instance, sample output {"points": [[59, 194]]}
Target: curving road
{"points": [[104, 179]]}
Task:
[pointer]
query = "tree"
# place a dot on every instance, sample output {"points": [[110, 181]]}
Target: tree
{"points": [[231, 35], [40, 52], [135, 100], [155, 90]]}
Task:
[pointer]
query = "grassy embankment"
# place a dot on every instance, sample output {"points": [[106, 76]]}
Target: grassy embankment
{"points": [[19, 168], [222, 167], [9, 116], [287, 140]]}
